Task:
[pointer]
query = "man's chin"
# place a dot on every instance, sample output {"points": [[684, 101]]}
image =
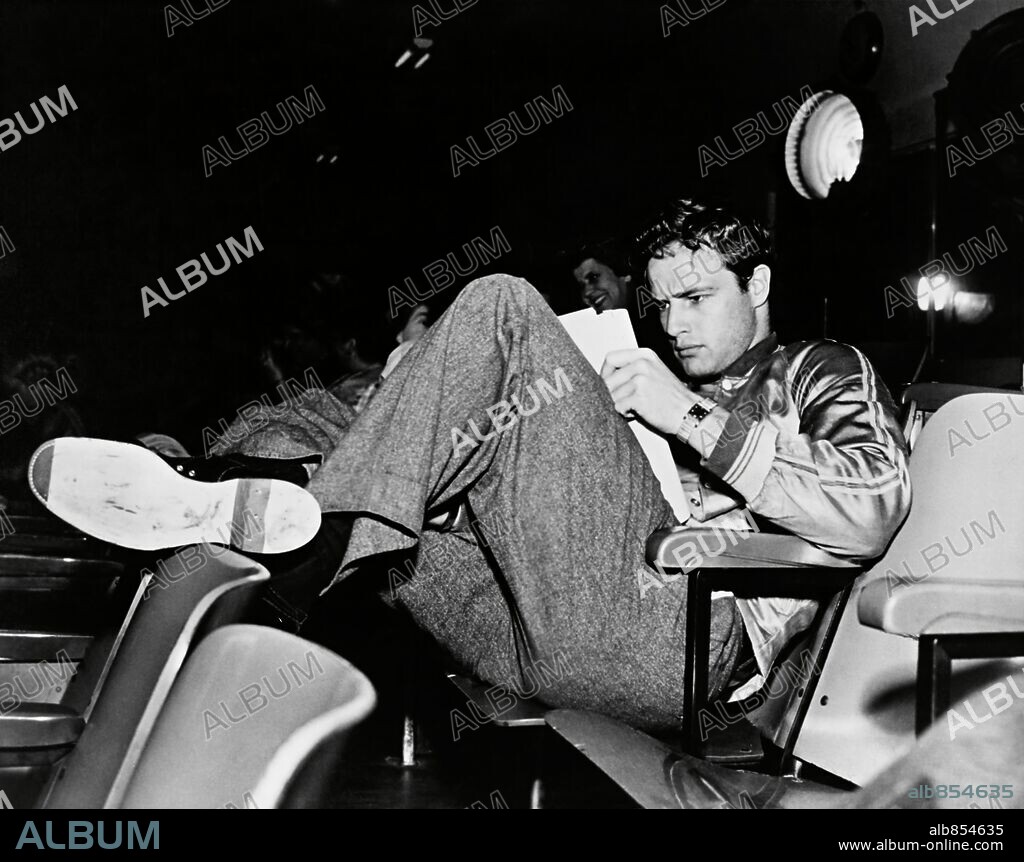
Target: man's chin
{"points": [[695, 369]]}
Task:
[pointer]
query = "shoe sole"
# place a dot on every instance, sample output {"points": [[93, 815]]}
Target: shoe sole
{"points": [[129, 496]]}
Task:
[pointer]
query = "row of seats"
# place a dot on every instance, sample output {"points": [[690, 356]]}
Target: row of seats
{"points": [[155, 695]]}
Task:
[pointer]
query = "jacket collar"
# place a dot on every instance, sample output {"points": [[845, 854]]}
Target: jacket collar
{"points": [[764, 348]]}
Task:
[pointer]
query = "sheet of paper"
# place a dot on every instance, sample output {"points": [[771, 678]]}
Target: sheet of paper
{"points": [[596, 335]]}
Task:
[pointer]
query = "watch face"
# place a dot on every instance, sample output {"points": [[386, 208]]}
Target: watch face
{"points": [[698, 411]]}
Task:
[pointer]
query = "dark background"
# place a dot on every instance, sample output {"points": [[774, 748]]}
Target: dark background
{"points": [[113, 196]]}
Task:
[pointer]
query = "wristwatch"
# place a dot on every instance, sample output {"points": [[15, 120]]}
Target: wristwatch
{"points": [[694, 416]]}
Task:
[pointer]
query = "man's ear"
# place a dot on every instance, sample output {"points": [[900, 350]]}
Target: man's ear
{"points": [[759, 286]]}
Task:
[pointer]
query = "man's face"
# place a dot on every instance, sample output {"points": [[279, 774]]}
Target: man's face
{"points": [[710, 321], [600, 287]]}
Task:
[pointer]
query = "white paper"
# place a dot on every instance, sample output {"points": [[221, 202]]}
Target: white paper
{"points": [[596, 335]]}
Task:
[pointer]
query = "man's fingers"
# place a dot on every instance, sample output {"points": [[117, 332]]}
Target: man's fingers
{"points": [[624, 397], [619, 358], [618, 376]]}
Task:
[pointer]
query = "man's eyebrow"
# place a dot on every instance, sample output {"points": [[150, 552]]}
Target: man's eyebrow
{"points": [[689, 291]]}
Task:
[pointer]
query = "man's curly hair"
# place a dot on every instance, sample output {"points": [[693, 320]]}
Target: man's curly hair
{"points": [[743, 242]]}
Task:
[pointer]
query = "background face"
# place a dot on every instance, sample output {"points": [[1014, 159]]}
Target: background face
{"points": [[600, 287], [416, 325], [114, 195]]}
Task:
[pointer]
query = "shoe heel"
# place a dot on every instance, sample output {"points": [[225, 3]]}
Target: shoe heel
{"points": [[272, 517], [249, 518]]}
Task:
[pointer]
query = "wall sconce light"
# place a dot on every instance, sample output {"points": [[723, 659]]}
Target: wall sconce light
{"points": [[936, 291], [824, 144]]}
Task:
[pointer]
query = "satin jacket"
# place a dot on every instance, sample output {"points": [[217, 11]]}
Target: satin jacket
{"points": [[804, 437]]}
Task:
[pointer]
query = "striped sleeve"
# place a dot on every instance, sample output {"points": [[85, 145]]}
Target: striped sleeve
{"points": [[841, 481], [743, 452]]}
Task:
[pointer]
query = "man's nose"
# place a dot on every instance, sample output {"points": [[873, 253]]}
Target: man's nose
{"points": [[677, 321]]}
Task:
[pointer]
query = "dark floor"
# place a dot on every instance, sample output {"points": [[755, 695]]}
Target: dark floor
{"points": [[487, 767]]}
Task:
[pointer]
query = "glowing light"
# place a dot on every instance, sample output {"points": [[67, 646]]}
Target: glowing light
{"points": [[823, 144], [937, 289], [973, 307], [418, 45]]}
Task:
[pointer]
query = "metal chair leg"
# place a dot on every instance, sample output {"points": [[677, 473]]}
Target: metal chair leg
{"points": [[698, 646], [933, 676]]}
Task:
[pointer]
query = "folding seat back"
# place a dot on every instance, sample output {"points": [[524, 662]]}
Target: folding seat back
{"points": [[257, 719], [196, 588]]}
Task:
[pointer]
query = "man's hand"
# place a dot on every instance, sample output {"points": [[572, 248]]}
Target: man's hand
{"points": [[641, 385]]}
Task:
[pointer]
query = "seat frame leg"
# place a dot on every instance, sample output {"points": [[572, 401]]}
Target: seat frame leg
{"points": [[934, 665], [935, 654], [695, 670]]}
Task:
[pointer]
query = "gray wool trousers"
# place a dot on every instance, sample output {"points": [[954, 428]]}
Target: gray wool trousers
{"points": [[495, 405]]}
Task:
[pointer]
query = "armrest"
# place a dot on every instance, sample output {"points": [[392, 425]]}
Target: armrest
{"points": [[677, 548], [759, 564], [943, 606]]}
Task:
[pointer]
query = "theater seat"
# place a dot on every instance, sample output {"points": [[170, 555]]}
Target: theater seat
{"points": [[755, 564], [257, 719], [201, 593], [954, 575]]}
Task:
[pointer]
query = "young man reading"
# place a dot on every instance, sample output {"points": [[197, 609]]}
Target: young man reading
{"points": [[495, 406]]}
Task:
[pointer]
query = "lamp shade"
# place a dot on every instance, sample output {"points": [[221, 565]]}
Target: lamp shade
{"points": [[824, 144]]}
